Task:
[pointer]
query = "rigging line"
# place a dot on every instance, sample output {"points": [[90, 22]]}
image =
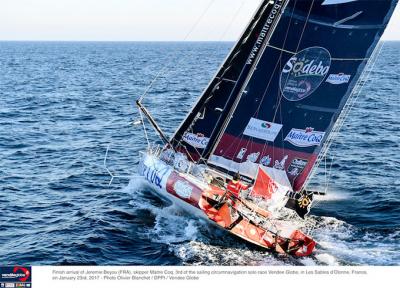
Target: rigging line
{"points": [[369, 67], [165, 68], [279, 62], [220, 39], [259, 13], [281, 49], [232, 21], [270, 81], [363, 80], [367, 76], [248, 75], [305, 25], [297, 49], [276, 66], [350, 106], [265, 146], [257, 111], [317, 202], [144, 128], [333, 133], [351, 102], [223, 69], [330, 173]]}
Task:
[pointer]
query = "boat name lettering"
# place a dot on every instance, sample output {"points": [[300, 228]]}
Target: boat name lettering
{"points": [[153, 175], [264, 32]]}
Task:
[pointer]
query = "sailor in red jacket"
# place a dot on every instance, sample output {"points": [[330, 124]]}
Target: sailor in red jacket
{"points": [[235, 186]]}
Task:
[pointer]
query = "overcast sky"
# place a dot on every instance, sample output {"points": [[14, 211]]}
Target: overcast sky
{"points": [[132, 20]]}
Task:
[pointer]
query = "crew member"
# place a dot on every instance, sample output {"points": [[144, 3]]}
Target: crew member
{"points": [[235, 186]]}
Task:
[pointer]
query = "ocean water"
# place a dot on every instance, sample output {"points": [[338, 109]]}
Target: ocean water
{"points": [[63, 104]]}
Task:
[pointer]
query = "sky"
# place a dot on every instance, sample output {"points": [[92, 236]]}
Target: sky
{"points": [[133, 20]]}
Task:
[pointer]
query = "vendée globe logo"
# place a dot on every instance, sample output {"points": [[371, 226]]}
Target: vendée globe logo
{"points": [[304, 73]]}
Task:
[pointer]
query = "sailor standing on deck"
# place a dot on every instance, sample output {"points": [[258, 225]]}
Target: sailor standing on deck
{"points": [[235, 186], [232, 194]]}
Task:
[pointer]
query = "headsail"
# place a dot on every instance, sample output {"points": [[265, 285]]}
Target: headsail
{"points": [[290, 87]]}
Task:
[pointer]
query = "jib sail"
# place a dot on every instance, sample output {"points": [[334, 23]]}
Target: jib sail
{"points": [[297, 88], [209, 113]]}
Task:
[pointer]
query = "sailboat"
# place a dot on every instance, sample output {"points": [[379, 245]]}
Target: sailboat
{"points": [[269, 115]]}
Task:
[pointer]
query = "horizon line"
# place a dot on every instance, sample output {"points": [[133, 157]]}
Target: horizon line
{"points": [[147, 41], [19, 40]]}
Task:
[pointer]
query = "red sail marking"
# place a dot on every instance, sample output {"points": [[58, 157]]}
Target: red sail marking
{"points": [[265, 186]]}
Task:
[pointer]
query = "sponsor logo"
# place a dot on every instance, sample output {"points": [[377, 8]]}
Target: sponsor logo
{"points": [[304, 73], [183, 189], [262, 129], [280, 165], [305, 202], [337, 79], [305, 138], [266, 160], [241, 153], [296, 167], [253, 157], [196, 140]]}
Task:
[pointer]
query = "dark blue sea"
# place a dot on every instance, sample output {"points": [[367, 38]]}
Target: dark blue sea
{"points": [[63, 104]]}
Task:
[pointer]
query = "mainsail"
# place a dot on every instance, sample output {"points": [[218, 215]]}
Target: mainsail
{"points": [[280, 92]]}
